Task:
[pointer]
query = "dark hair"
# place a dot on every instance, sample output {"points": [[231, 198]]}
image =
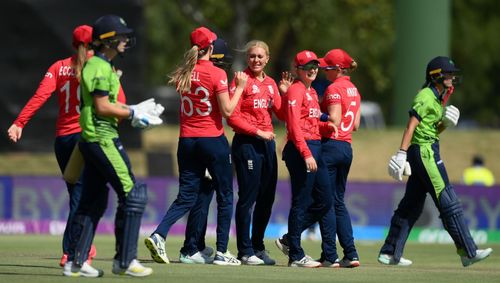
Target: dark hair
{"points": [[477, 160]]}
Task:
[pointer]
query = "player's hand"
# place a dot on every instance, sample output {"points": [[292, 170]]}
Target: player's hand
{"points": [[451, 116], [311, 165], [399, 166], [265, 135], [240, 79], [286, 82], [334, 129], [15, 133], [144, 120]]}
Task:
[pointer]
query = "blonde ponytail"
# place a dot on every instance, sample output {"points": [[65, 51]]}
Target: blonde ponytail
{"points": [[181, 77], [81, 58]]}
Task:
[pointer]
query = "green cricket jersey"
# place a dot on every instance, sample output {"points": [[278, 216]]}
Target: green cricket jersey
{"points": [[98, 75], [428, 110]]}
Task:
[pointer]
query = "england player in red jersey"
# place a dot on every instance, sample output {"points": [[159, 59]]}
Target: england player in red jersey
{"points": [[311, 197], [63, 79], [203, 90], [342, 103], [254, 155]]}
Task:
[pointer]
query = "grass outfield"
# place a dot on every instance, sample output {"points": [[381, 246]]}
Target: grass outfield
{"points": [[35, 258]]}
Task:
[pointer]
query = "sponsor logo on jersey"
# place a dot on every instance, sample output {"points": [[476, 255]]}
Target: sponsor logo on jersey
{"points": [[292, 103], [223, 82], [334, 96]]}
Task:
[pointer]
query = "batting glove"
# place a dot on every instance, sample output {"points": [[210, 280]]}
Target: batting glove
{"points": [[144, 120], [399, 166], [450, 116], [144, 106]]}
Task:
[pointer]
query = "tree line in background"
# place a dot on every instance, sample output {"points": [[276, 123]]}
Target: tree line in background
{"points": [[364, 28]]}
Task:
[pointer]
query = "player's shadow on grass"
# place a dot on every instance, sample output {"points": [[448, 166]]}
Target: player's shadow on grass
{"points": [[29, 266]]}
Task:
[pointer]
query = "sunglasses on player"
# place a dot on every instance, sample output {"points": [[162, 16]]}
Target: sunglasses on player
{"points": [[308, 66]]}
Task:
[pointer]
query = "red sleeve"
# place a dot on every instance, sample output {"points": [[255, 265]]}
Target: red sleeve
{"points": [[236, 121], [332, 95], [293, 101], [121, 96], [45, 89], [278, 108]]}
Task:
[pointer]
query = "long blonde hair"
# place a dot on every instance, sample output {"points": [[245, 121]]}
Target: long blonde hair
{"points": [[80, 59], [181, 77]]}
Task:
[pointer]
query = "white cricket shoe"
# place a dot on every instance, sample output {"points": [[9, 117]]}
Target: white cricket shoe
{"points": [[265, 257], [389, 260], [225, 259], [134, 269], [197, 258], [306, 262], [86, 270], [252, 260], [480, 255], [156, 246]]}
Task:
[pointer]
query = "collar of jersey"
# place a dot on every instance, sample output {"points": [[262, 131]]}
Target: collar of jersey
{"points": [[101, 55]]}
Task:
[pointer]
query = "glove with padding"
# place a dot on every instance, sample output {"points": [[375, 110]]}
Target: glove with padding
{"points": [[451, 116], [144, 106], [399, 166], [144, 120]]}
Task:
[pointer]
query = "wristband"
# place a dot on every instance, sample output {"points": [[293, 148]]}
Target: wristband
{"points": [[131, 114], [324, 117]]}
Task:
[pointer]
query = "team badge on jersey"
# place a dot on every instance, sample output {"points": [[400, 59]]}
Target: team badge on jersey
{"points": [[255, 89]]}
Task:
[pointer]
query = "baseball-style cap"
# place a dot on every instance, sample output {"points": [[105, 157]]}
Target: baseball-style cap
{"points": [[82, 34], [202, 37], [304, 57], [337, 58], [221, 51], [109, 26], [441, 64]]}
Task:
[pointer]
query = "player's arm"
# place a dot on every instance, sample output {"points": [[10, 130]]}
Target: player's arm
{"points": [[227, 104], [357, 120], [44, 91], [408, 133], [335, 113], [107, 109]]}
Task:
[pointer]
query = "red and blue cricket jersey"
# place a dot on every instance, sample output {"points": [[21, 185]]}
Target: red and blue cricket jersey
{"points": [[302, 116], [60, 79], [199, 114], [342, 91], [254, 110]]}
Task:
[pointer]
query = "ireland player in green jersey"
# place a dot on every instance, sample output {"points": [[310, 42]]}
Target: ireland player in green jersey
{"points": [[419, 158], [105, 158]]}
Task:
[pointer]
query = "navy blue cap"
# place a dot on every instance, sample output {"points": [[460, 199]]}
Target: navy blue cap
{"points": [[109, 26], [441, 64], [221, 51]]}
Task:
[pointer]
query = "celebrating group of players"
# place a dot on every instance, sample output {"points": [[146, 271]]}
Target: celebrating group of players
{"points": [[317, 154]]}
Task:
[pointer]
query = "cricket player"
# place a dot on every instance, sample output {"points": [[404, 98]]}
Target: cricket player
{"points": [[311, 196], [418, 156], [342, 103], [105, 158], [63, 79], [254, 155], [204, 97]]}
